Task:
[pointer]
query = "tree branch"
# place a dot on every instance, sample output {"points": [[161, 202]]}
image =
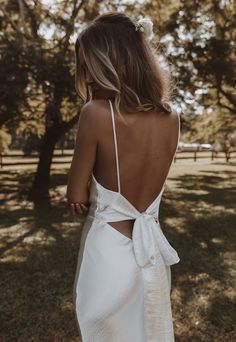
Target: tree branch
{"points": [[69, 124], [227, 107], [33, 20], [70, 27], [13, 24], [230, 97]]}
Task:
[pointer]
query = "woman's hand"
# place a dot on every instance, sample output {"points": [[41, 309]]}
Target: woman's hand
{"points": [[78, 208]]}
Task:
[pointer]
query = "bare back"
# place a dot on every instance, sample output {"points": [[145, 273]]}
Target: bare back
{"points": [[146, 147]]}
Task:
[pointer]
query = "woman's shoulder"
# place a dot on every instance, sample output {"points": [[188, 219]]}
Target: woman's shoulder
{"points": [[172, 116], [170, 124], [95, 105], [92, 115], [93, 109], [169, 121]]}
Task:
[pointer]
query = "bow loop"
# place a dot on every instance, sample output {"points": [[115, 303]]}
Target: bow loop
{"points": [[149, 242]]}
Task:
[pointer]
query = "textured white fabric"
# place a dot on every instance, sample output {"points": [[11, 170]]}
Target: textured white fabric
{"points": [[122, 285]]}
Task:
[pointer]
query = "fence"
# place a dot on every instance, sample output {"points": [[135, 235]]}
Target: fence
{"points": [[17, 158]]}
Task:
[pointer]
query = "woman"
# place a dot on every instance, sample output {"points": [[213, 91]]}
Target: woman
{"points": [[127, 139]]}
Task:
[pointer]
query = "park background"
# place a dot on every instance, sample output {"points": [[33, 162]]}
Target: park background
{"points": [[39, 112]]}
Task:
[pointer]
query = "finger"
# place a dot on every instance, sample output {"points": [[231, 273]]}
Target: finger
{"points": [[68, 204], [72, 208], [78, 209], [84, 207]]}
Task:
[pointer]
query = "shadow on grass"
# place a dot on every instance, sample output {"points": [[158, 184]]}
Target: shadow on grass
{"points": [[40, 246], [199, 221]]}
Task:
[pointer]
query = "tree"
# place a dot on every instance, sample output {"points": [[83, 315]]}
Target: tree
{"points": [[5, 141], [217, 128], [41, 72], [201, 39]]}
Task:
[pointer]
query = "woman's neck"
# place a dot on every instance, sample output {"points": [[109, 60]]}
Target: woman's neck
{"points": [[100, 94]]}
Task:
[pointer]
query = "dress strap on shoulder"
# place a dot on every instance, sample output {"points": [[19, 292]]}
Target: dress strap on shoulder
{"points": [[115, 143]]}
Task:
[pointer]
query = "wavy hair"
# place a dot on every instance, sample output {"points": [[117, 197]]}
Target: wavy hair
{"points": [[119, 59]]}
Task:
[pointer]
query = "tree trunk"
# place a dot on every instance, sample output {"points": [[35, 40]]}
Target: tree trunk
{"points": [[227, 156], [41, 184]]}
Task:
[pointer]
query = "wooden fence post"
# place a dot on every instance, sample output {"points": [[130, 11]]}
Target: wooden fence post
{"points": [[212, 155]]}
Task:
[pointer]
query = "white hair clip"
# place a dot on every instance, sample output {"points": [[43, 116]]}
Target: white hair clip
{"points": [[145, 25]]}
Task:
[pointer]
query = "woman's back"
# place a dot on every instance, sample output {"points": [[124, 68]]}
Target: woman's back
{"points": [[146, 146]]}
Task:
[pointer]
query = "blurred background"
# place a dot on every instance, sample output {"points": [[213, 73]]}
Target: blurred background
{"points": [[39, 112]]}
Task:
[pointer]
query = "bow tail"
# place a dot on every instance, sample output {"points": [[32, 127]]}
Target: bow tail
{"points": [[154, 254], [169, 254]]}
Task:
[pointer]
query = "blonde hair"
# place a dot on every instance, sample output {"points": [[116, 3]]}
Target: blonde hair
{"points": [[120, 60]]}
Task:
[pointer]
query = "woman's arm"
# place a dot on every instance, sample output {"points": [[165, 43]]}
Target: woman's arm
{"points": [[83, 160]]}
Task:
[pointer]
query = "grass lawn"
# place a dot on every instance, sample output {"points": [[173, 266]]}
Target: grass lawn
{"points": [[39, 248]]}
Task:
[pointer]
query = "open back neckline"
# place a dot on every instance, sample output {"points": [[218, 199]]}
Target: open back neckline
{"points": [[118, 171]]}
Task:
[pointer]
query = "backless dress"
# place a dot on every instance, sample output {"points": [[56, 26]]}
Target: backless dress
{"points": [[122, 286]]}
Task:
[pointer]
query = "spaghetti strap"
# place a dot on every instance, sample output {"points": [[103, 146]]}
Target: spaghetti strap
{"points": [[115, 142]]}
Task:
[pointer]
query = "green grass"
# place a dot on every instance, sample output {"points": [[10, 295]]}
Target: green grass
{"points": [[39, 248]]}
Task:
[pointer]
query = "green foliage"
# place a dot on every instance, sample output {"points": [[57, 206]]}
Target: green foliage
{"points": [[38, 64], [200, 37], [31, 132], [36, 72]]}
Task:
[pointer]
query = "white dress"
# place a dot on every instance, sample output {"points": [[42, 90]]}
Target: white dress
{"points": [[122, 286]]}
